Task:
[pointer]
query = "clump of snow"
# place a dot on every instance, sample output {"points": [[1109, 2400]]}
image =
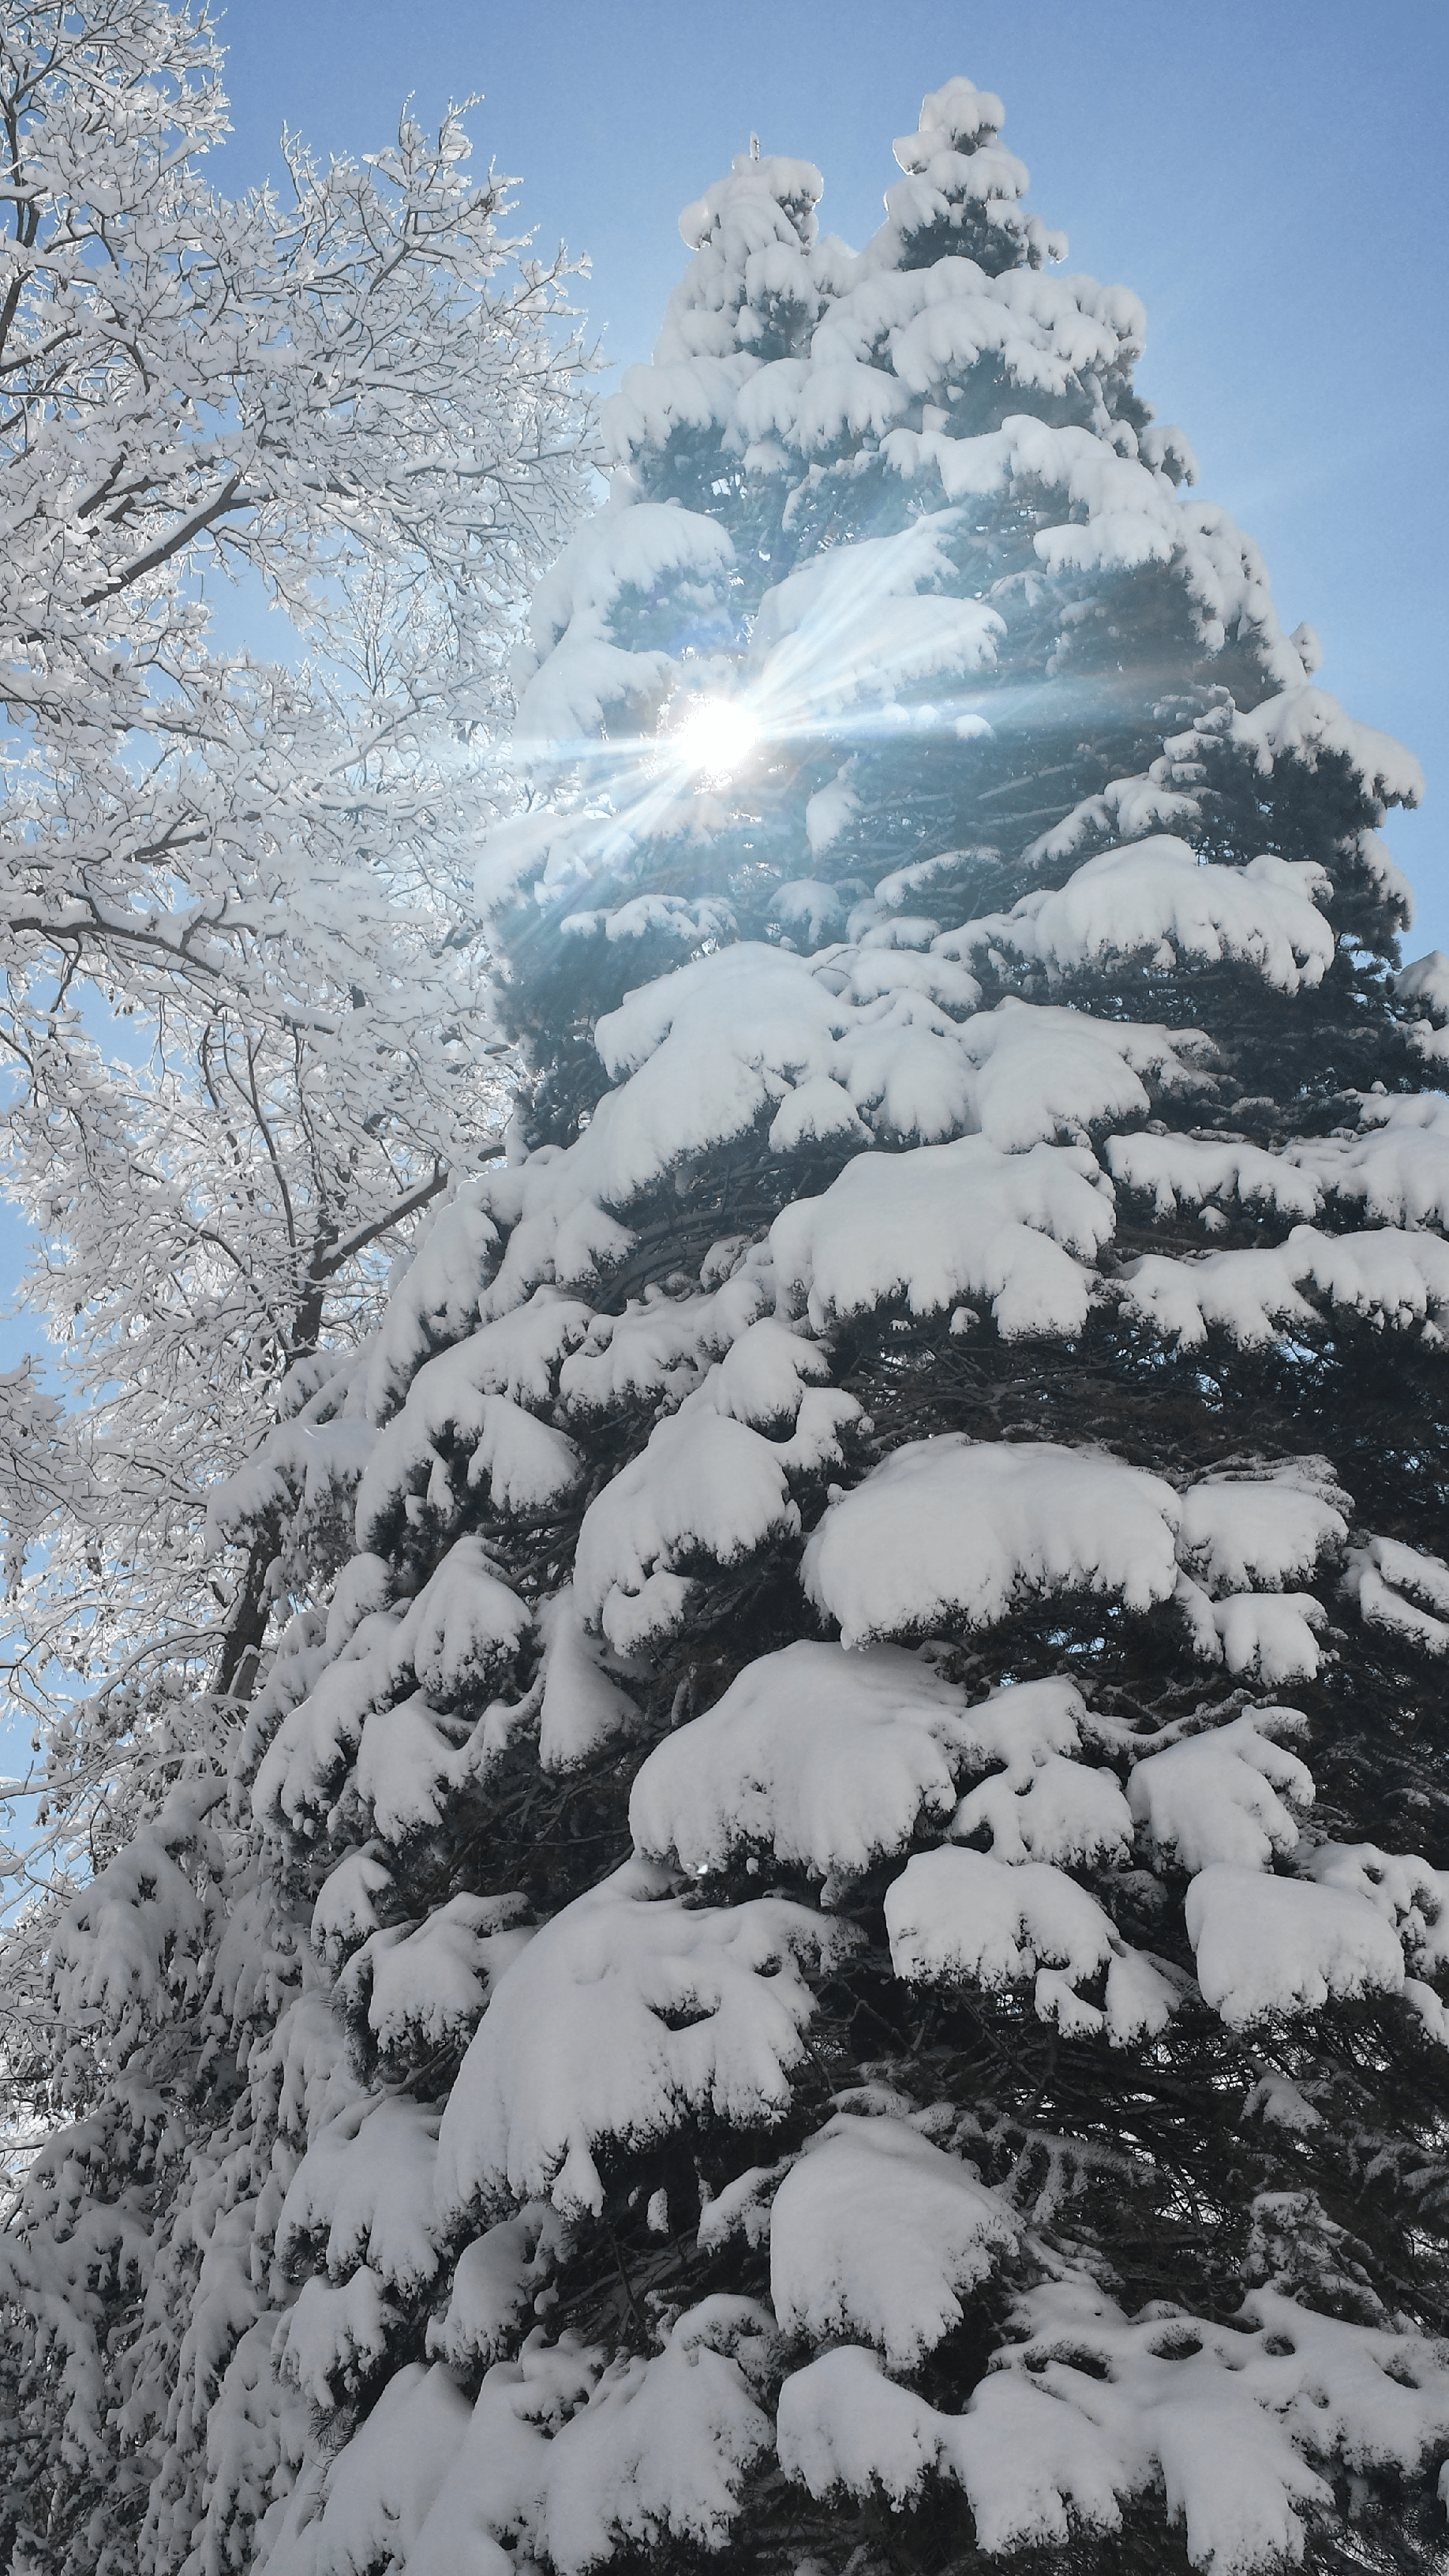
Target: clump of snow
{"points": [[586, 670], [1392, 1277], [660, 1346], [454, 1421], [1272, 1635], [345, 1912], [704, 1052], [424, 1986], [1402, 1589], [826, 1760], [382, 2483], [946, 1222], [333, 2340], [855, 622], [707, 1049], [625, 2013], [961, 1917], [1047, 1809], [1264, 1527], [436, 1300], [138, 1934], [953, 1529], [844, 2428], [1396, 1165], [1126, 809], [1227, 1795], [364, 2191], [579, 2459], [876, 2232], [495, 2282], [1091, 2408], [411, 1760], [1189, 1171], [709, 1489], [1401, 1886], [583, 1705], [830, 1761], [1267, 1946], [1426, 981], [1156, 900], [463, 1632], [1308, 725], [618, 550], [1044, 1072], [661, 2451], [301, 1772]]}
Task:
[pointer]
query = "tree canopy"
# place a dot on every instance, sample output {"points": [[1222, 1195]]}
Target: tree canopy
{"points": [[245, 1042]]}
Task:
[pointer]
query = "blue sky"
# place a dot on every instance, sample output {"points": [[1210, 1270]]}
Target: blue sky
{"points": [[1270, 178]]}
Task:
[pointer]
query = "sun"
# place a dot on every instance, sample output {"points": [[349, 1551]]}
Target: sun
{"points": [[716, 737]]}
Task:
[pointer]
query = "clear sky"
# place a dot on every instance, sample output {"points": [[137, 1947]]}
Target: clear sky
{"points": [[1269, 175]]}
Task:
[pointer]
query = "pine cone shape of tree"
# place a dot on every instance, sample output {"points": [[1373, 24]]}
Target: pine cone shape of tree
{"points": [[852, 1853]]}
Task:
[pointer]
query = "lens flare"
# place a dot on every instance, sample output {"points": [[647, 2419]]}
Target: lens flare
{"points": [[716, 737]]}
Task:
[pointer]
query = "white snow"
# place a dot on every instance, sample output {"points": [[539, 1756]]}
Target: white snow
{"points": [[950, 1221], [660, 2452], [410, 1761], [1188, 1171], [1272, 1635], [830, 1760], [364, 2192], [952, 1529], [1263, 1527], [344, 1912], [436, 1300], [1305, 724], [583, 1705], [495, 2281], [579, 2459], [708, 1489], [661, 1346], [1155, 900], [1395, 1165], [301, 1771], [960, 1917], [333, 2340], [854, 623], [1049, 1809], [576, 2050], [452, 1404], [1268, 1946], [1402, 1589], [1225, 1796], [464, 1630], [1426, 981], [1126, 809], [708, 1048], [424, 1986], [877, 2233], [843, 2426], [1091, 2408], [1403, 1887], [1042, 1071], [1390, 1276], [384, 2481], [826, 1760], [621, 550]]}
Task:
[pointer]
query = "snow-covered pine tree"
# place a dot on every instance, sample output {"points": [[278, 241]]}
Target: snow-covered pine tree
{"points": [[839, 1970]]}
